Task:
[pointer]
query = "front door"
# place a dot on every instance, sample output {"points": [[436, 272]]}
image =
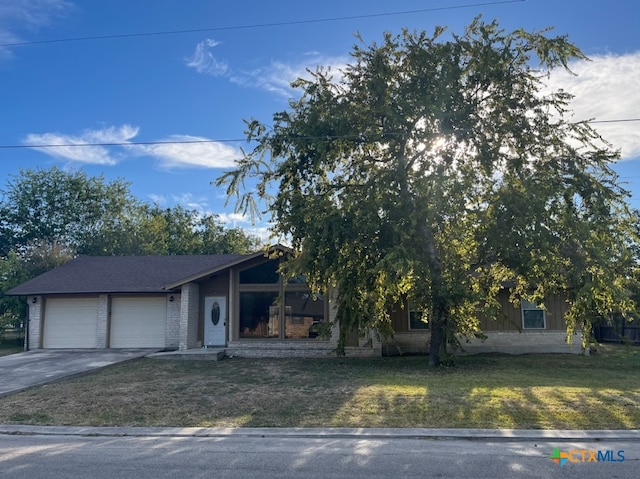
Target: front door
{"points": [[215, 320]]}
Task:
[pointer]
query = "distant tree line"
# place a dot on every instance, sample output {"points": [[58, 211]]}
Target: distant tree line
{"points": [[49, 216]]}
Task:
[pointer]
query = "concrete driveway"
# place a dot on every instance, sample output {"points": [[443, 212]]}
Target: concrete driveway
{"points": [[33, 368]]}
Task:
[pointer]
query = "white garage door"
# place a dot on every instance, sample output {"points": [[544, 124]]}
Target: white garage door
{"points": [[138, 322], [70, 323]]}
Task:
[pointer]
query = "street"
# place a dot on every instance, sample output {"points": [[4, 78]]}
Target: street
{"points": [[60, 456]]}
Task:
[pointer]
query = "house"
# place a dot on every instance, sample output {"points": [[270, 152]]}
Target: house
{"points": [[239, 303], [524, 329]]}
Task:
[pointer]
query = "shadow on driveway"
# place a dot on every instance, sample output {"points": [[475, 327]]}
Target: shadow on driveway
{"points": [[33, 368]]}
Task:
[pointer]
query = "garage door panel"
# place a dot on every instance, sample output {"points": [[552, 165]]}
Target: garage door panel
{"points": [[138, 322], [70, 323]]}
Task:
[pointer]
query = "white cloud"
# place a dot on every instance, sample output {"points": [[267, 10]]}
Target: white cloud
{"points": [[17, 16], [97, 155], [606, 88], [203, 153], [277, 77], [204, 62], [109, 146], [188, 200], [232, 219]]}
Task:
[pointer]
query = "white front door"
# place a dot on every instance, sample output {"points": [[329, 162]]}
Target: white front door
{"points": [[215, 320]]}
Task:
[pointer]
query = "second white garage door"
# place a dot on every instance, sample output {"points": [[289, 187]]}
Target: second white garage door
{"points": [[138, 322]]}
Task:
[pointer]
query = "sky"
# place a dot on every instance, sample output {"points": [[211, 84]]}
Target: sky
{"points": [[176, 70]]}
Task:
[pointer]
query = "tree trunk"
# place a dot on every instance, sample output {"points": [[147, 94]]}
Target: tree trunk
{"points": [[437, 336], [438, 300], [438, 329]]}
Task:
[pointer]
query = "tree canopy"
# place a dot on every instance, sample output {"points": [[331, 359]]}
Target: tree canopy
{"points": [[48, 216], [438, 168]]}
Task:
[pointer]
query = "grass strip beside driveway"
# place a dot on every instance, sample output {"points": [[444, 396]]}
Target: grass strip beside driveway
{"points": [[533, 391]]}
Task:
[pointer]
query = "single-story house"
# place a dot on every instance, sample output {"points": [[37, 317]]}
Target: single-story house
{"points": [[238, 303]]}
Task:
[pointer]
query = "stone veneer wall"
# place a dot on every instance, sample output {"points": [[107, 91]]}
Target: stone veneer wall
{"points": [[172, 324], [102, 332], [34, 322], [508, 342]]}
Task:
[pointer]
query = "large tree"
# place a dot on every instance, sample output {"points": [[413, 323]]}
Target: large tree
{"points": [[438, 168], [55, 207], [48, 216]]}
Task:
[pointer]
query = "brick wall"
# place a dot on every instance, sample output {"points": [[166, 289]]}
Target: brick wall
{"points": [[292, 349], [102, 332], [508, 342], [34, 322], [172, 325], [189, 315]]}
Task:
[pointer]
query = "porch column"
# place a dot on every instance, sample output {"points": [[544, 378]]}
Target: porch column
{"points": [[189, 315]]}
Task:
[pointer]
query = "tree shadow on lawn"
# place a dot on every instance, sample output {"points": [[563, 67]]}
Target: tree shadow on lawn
{"points": [[494, 391], [539, 392]]}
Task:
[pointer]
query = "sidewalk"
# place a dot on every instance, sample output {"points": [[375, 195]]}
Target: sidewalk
{"points": [[323, 433]]}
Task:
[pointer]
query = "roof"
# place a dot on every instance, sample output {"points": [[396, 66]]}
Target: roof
{"points": [[123, 274]]}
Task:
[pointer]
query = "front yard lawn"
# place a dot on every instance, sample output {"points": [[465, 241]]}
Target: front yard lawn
{"points": [[11, 346], [490, 391]]}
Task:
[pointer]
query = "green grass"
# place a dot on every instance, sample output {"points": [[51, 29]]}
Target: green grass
{"points": [[490, 391], [11, 346]]}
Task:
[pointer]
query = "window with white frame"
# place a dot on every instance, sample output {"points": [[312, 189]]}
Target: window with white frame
{"points": [[417, 319], [533, 316]]}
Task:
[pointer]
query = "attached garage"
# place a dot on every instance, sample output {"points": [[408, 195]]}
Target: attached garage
{"points": [[138, 322], [70, 323]]}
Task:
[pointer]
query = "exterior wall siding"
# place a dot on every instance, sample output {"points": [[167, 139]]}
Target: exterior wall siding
{"points": [[511, 320], [504, 334]]}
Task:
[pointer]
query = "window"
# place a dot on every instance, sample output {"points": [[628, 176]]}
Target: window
{"points": [[533, 316], [303, 315], [265, 273], [259, 314], [417, 319], [272, 308]]}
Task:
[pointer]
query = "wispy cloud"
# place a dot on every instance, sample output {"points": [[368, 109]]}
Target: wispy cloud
{"points": [[158, 199], [606, 88], [278, 75], [97, 155], [203, 61], [110, 145], [18, 17], [233, 219], [275, 77], [188, 200], [182, 155]]}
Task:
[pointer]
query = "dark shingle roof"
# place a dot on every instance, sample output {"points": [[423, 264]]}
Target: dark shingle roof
{"points": [[121, 274]]}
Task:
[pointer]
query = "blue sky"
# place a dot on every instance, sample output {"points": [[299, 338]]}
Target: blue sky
{"points": [[200, 85]]}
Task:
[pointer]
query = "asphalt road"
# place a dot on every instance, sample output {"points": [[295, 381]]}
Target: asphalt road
{"points": [[59, 456]]}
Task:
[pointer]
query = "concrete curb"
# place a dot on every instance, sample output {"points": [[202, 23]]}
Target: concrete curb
{"points": [[328, 433]]}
